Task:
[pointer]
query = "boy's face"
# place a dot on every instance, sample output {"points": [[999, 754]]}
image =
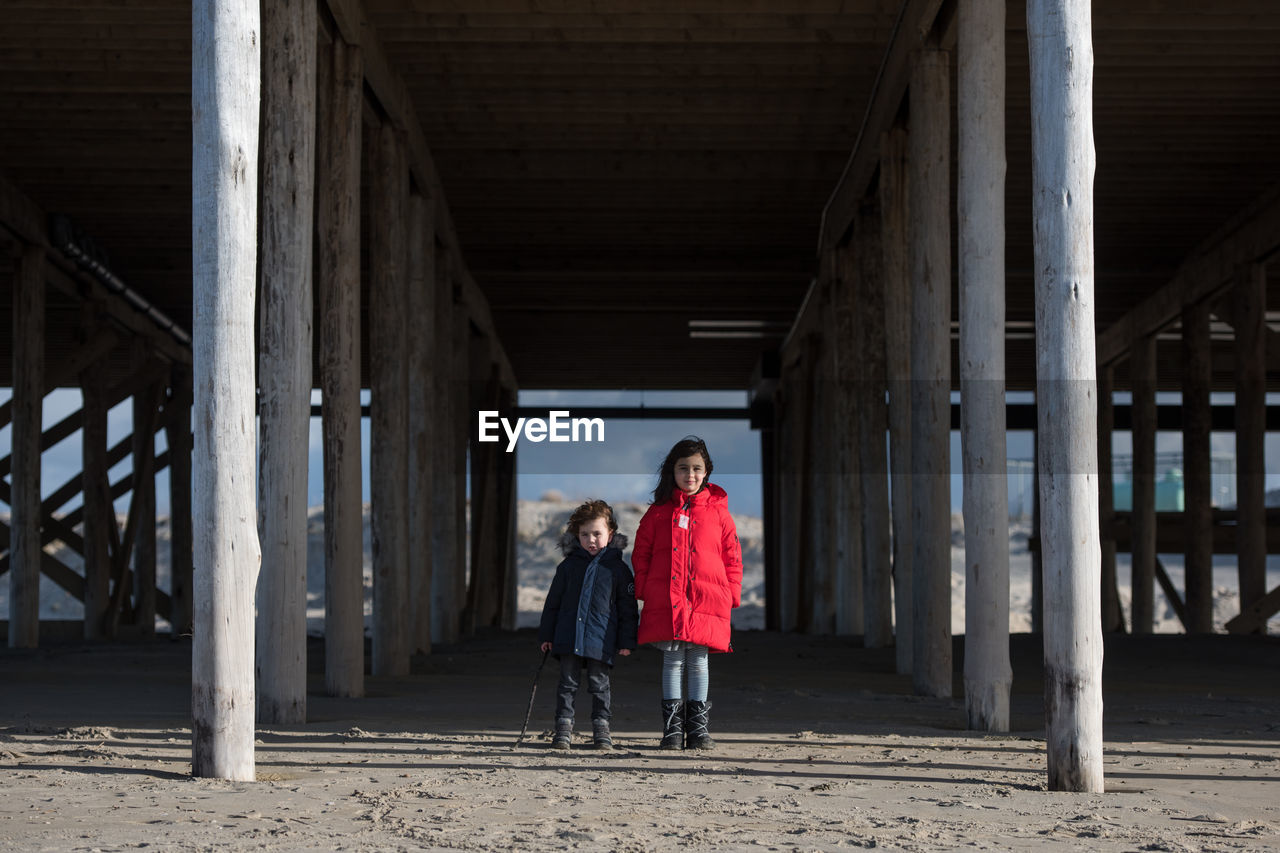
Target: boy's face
{"points": [[594, 535], [691, 472]]}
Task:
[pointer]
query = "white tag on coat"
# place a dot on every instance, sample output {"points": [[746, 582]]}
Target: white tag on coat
{"points": [[684, 522]]}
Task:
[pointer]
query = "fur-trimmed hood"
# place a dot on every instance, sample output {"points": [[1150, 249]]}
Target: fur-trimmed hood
{"points": [[568, 542]]}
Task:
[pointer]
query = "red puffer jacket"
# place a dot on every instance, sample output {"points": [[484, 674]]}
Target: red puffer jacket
{"points": [[688, 567]]}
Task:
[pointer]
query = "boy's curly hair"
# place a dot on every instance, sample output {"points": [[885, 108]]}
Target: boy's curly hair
{"points": [[586, 512]]}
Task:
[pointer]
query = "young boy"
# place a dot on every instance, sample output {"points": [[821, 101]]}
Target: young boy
{"points": [[590, 614]]}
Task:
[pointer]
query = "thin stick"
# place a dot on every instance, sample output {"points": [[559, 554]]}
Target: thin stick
{"points": [[532, 693]]}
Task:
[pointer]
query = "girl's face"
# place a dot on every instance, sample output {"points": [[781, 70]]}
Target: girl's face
{"points": [[594, 535], [691, 473]]}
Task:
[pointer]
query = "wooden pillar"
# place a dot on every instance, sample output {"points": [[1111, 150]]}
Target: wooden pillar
{"points": [[388, 418], [785, 584], [507, 528], [1061, 52], [1112, 614], [98, 511], [1142, 370], [284, 343], [225, 76], [484, 584], [849, 326], [338, 285], [445, 615], [28, 405], [929, 159], [897, 325], [462, 420], [769, 507], [806, 486], [1197, 421], [143, 511], [1251, 425], [877, 577], [820, 519], [981, 107], [178, 439], [421, 343]]}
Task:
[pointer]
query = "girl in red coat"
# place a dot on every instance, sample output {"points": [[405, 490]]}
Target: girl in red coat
{"points": [[688, 566]]}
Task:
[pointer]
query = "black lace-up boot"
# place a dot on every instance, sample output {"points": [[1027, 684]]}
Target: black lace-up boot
{"points": [[564, 733], [695, 726], [672, 724]]}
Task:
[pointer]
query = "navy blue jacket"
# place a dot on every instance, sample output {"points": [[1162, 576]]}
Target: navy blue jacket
{"points": [[591, 608]]}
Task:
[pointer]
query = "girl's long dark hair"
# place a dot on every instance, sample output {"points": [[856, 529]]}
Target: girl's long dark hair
{"points": [[690, 445]]}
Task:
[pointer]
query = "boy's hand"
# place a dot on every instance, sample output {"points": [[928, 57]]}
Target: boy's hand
{"points": [[545, 647], [624, 652]]}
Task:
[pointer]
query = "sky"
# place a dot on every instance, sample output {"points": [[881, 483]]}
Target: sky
{"points": [[623, 467]]}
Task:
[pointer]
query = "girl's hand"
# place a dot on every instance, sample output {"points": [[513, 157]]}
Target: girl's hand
{"points": [[546, 647], [624, 652]]}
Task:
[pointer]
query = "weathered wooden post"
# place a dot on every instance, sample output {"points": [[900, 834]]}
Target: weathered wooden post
{"points": [[1197, 421], [340, 97], [981, 103], [421, 343], [897, 326], [28, 405], [877, 578], [1112, 615], [819, 515], [463, 424], [178, 438], [284, 366], [1251, 426], [1061, 53], [98, 511], [224, 100], [388, 412], [445, 616], [848, 325], [145, 403], [929, 159], [1142, 374]]}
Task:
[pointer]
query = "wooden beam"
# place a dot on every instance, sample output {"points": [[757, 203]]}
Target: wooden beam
{"points": [[1252, 235], [1197, 422], [1171, 594], [1142, 371], [421, 423], [1251, 429], [914, 26], [1253, 618]]}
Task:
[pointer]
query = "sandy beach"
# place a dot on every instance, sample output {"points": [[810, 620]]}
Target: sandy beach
{"points": [[821, 747]]}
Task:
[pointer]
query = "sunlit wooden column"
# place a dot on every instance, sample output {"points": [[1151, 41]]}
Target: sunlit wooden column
{"points": [[928, 161], [337, 281], [981, 222], [422, 434], [225, 82], [877, 570], [28, 406], [1251, 430], [388, 411], [897, 327], [843, 403], [1059, 35], [1197, 422], [284, 354], [1142, 374]]}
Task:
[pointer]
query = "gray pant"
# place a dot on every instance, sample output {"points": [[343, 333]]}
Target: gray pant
{"points": [[597, 685]]}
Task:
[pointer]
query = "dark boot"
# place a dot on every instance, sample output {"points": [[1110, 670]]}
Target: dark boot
{"points": [[600, 735], [672, 724], [564, 733], [695, 727]]}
